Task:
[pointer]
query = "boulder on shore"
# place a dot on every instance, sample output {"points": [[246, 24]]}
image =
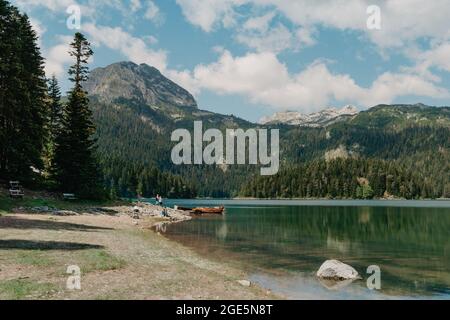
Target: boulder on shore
{"points": [[245, 283], [338, 271]]}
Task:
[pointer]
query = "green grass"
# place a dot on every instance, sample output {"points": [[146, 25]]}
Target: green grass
{"points": [[34, 258], [19, 289], [99, 260], [7, 204]]}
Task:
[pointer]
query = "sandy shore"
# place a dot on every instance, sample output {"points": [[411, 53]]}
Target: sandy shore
{"points": [[120, 253]]}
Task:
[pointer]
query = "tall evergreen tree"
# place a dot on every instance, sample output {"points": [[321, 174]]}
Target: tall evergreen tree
{"points": [[55, 108], [53, 121], [22, 96], [75, 166]]}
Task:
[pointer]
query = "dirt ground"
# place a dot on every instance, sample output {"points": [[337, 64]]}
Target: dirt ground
{"points": [[119, 258]]}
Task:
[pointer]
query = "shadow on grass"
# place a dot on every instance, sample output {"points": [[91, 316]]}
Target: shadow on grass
{"points": [[19, 223], [45, 245]]}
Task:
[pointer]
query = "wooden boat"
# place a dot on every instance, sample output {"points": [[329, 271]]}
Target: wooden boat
{"points": [[216, 210], [183, 208]]}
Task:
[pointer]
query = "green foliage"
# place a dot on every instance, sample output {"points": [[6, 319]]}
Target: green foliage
{"points": [[130, 179], [140, 138], [341, 179], [22, 96], [75, 167], [365, 191], [54, 122], [55, 112]]}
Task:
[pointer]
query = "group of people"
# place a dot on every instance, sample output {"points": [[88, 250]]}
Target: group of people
{"points": [[159, 202]]}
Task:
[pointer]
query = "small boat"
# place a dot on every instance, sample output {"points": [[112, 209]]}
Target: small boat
{"points": [[216, 210], [183, 208]]}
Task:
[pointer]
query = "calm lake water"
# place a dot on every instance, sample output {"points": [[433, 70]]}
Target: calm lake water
{"points": [[281, 244]]}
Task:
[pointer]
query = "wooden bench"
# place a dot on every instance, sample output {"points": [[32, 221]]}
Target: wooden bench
{"points": [[69, 196], [15, 190], [16, 193]]}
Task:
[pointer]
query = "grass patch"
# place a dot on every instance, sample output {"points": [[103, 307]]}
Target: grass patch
{"points": [[19, 289], [7, 204], [100, 260], [33, 258]]}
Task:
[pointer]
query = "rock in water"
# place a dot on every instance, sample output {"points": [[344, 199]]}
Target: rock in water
{"points": [[336, 270], [245, 283]]}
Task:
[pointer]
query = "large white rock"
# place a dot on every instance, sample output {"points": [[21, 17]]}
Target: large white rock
{"points": [[336, 270], [245, 283]]}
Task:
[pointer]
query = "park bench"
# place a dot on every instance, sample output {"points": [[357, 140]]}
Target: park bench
{"points": [[15, 190], [69, 196]]}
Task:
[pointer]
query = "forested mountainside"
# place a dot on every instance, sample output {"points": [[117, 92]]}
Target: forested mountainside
{"points": [[111, 136], [408, 142]]}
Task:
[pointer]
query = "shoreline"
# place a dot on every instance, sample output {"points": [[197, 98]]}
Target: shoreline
{"points": [[122, 255], [444, 203]]}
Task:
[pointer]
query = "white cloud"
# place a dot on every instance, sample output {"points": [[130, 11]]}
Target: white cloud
{"points": [[390, 86], [153, 13], [402, 20], [276, 39], [53, 5], [438, 56], [58, 57], [206, 14], [305, 37], [135, 5], [59, 6], [134, 49], [38, 27], [261, 23], [185, 79], [265, 80]]}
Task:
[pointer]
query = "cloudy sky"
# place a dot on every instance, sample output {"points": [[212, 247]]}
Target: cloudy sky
{"points": [[254, 57]]}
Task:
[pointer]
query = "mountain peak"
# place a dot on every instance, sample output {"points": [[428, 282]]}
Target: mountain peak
{"points": [[349, 109], [318, 119], [143, 83]]}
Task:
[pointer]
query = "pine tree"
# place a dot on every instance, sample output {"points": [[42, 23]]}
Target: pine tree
{"points": [[55, 108], [22, 96], [54, 120], [75, 166]]}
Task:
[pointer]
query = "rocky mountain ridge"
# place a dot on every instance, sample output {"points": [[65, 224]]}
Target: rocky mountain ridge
{"points": [[317, 119]]}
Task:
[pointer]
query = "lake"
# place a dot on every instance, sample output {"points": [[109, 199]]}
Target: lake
{"points": [[281, 244]]}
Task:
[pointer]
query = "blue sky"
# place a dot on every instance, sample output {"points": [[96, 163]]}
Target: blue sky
{"points": [[255, 57]]}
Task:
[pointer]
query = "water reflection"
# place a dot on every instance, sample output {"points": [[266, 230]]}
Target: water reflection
{"points": [[411, 245]]}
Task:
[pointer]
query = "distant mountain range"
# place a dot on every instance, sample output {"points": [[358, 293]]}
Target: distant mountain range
{"points": [[318, 119], [136, 108]]}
